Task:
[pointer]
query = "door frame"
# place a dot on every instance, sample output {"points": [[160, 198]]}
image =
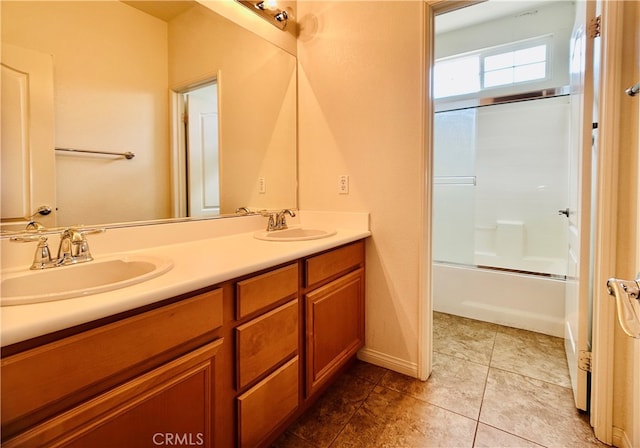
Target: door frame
{"points": [[177, 139], [604, 311], [605, 215]]}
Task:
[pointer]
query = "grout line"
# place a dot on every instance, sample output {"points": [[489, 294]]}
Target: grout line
{"points": [[357, 408]]}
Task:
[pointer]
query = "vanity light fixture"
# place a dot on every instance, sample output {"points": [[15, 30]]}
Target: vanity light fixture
{"points": [[268, 10]]}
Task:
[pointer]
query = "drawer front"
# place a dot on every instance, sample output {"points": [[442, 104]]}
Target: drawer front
{"points": [[266, 405], [39, 377], [266, 341], [330, 264], [263, 290]]}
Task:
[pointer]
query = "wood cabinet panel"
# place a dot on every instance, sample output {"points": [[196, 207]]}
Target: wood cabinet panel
{"points": [[263, 407], [173, 401], [330, 264], [263, 290], [334, 327], [266, 341], [39, 377]]}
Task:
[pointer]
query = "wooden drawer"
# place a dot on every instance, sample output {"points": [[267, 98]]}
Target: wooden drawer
{"points": [[266, 405], [266, 341], [330, 264], [263, 290], [66, 371]]}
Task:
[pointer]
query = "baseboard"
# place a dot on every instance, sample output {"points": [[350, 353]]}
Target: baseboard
{"points": [[620, 438], [389, 362]]}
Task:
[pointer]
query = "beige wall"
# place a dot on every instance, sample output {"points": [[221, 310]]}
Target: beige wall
{"points": [[361, 114], [257, 90], [110, 93]]}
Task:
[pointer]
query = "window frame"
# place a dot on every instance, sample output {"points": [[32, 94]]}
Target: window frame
{"points": [[482, 54]]}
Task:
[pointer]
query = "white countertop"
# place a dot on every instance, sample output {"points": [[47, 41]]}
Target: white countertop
{"points": [[196, 264]]}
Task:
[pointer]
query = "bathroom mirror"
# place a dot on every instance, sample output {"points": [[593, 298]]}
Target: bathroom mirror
{"points": [[122, 74]]}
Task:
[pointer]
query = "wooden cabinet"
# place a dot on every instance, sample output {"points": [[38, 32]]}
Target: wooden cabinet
{"points": [[267, 361], [172, 402], [334, 312], [228, 366], [108, 376]]}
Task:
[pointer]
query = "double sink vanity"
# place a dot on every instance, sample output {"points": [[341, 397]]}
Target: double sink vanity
{"points": [[221, 337]]}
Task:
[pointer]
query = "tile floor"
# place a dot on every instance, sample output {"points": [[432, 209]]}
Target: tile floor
{"points": [[491, 386]]}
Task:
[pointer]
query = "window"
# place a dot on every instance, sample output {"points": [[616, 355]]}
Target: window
{"points": [[490, 68], [457, 76], [528, 64]]}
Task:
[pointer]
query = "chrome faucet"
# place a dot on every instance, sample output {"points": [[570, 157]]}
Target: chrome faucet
{"points": [[74, 248], [277, 220], [281, 219]]}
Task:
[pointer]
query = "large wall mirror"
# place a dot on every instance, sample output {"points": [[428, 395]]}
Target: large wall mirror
{"points": [[133, 76]]}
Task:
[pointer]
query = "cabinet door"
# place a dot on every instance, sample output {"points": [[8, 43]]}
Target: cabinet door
{"points": [[335, 327], [40, 383], [171, 405]]}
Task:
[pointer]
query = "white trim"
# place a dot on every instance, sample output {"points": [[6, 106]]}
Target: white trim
{"points": [[425, 290], [178, 162], [389, 362], [606, 215], [423, 367], [620, 439]]}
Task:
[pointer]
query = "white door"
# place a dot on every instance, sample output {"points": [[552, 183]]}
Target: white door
{"points": [[27, 151], [577, 295], [202, 152]]}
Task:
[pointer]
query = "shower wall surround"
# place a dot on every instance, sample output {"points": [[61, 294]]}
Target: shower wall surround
{"points": [[501, 175]]}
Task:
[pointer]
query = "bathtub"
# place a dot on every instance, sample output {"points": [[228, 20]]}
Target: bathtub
{"points": [[529, 302]]}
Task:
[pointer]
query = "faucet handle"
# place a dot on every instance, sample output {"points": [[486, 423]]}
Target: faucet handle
{"points": [[74, 246], [42, 257], [273, 218]]}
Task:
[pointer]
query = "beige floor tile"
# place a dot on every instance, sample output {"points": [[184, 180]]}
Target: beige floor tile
{"points": [[288, 440], [490, 437], [367, 371], [463, 338], [394, 420], [531, 354], [455, 384], [323, 422], [534, 410]]}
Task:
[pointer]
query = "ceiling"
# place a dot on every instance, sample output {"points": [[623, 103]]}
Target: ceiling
{"points": [[162, 9], [483, 12]]}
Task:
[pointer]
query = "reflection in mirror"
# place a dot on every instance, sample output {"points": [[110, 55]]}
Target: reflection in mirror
{"points": [[119, 79]]}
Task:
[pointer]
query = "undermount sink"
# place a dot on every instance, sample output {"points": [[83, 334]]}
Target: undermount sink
{"points": [[293, 234], [81, 279]]}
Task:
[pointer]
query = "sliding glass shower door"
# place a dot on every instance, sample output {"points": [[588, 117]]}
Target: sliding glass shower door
{"points": [[500, 180]]}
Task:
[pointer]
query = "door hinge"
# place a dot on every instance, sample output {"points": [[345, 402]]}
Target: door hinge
{"points": [[185, 118], [584, 360], [595, 25]]}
